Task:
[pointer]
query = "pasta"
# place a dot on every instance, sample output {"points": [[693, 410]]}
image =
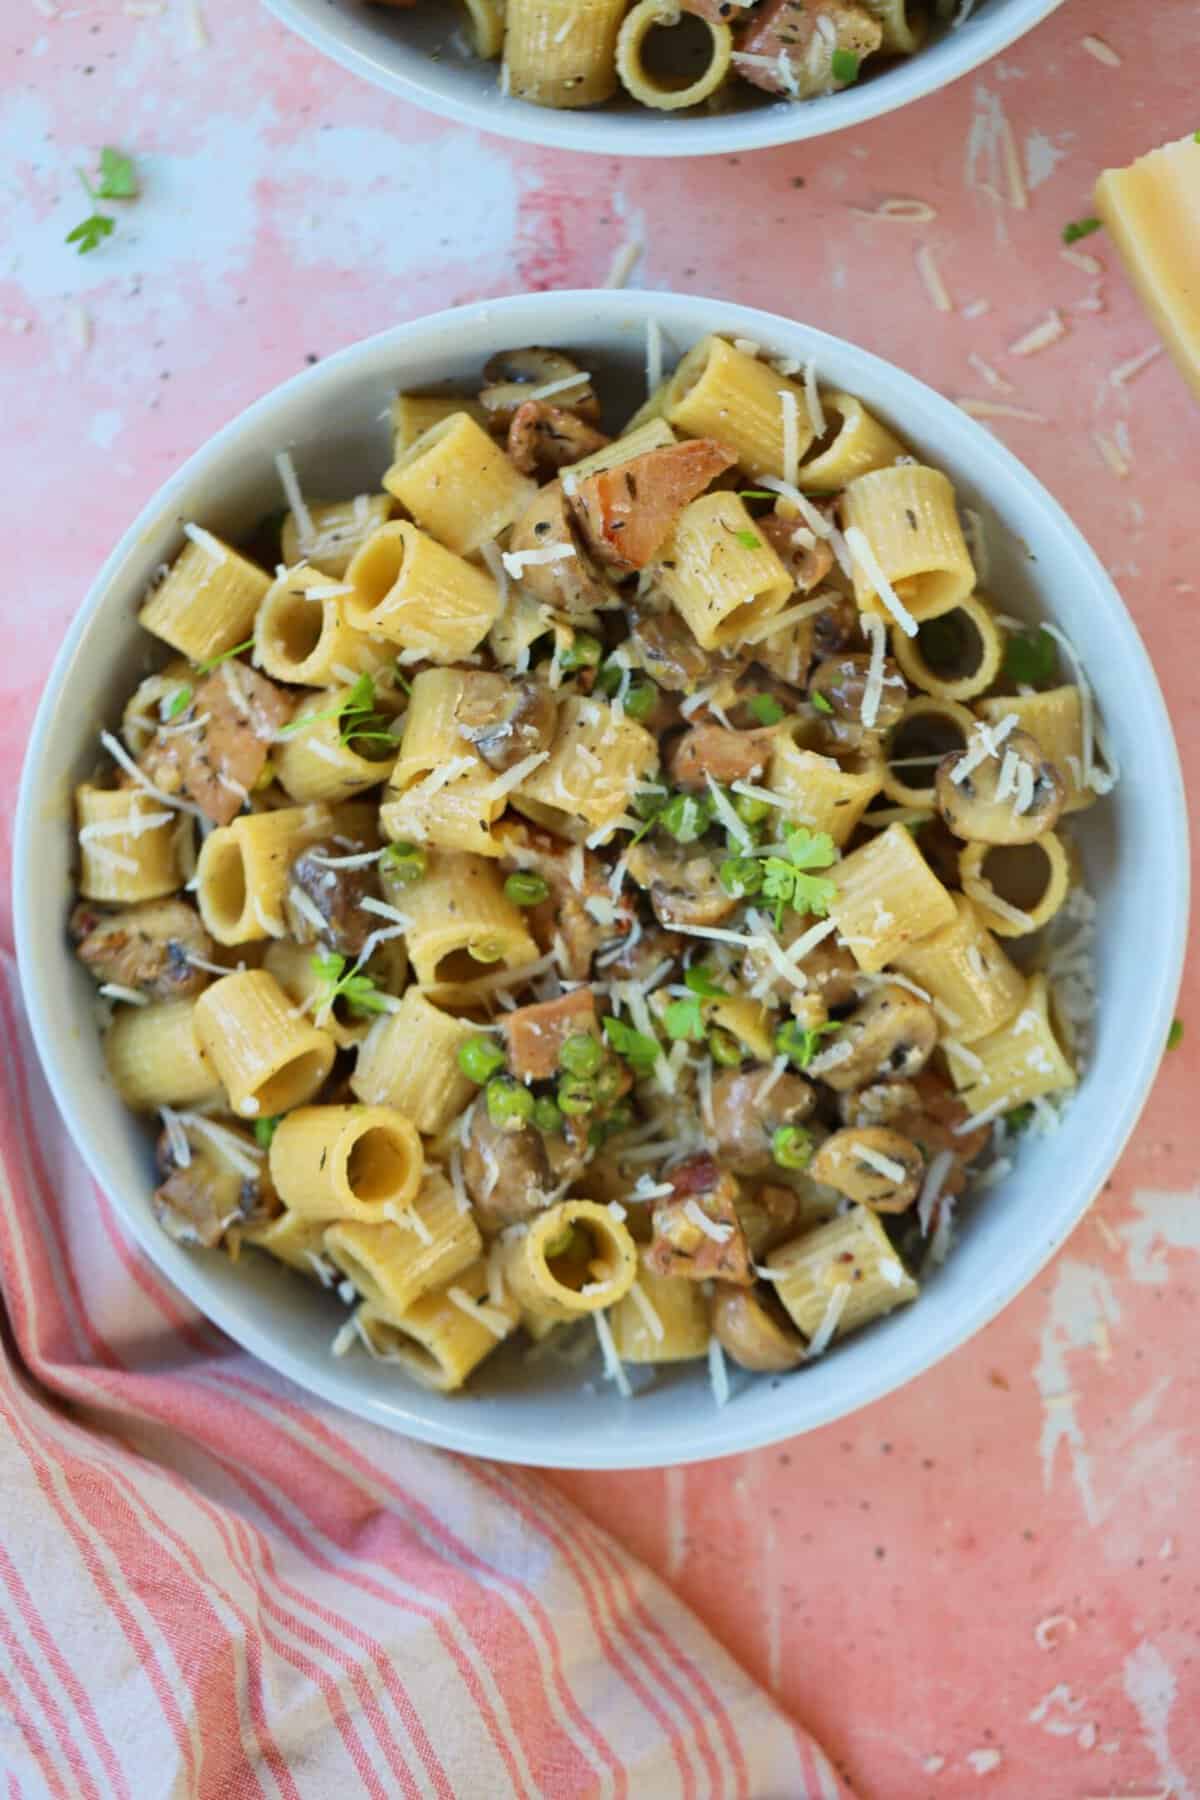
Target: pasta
{"points": [[584, 53], [605, 875]]}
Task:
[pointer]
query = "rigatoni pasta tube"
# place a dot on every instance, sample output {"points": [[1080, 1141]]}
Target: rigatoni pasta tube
{"points": [[291, 1239], [722, 393], [293, 967], [859, 444], [128, 844], [151, 701], [1054, 718], [458, 485], [413, 414], [392, 1264], [596, 760], [640, 436], [412, 590], [965, 972], [314, 760], [1017, 888], [662, 1319], [908, 516], [268, 1059], [461, 923], [887, 898], [409, 1060], [718, 573], [572, 1259], [1021, 1061], [670, 94], [443, 1336], [846, 1271], [441, 791], [303, 635], [955, 656], [155, 1057], [927, 730], [242, 871], [207, 601], [820, 792], [562, 53], [346, 1162], [339, 528]]}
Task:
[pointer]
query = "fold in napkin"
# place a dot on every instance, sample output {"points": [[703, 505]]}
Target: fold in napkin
{"points": [[212, 1585]]}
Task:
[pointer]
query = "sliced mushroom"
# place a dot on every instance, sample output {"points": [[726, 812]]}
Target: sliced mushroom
{"points": [[510, 374], [836, 628], [1011, 797], [335, 894], [148, 948], [505, 720], [506, 1173], [754, 1330], [891, 1036], [871, 1164], [884, 1103], [199, 1198], [842, 683], [683, 883], [935, 1123], [748, 1107], [714, 750], [769, 1216], [667, 650], [806, 558], [543, 438], [216, 762], [572, 584]]}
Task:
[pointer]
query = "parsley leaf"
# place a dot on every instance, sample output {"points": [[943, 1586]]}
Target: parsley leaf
{"points": [[1030, 657], [640, 1052], [820, 703], [355, 709], [843, 65], [214, 662], [1080, 228], [765, 708], [181, 699], [749, 540], [264, 1131], [756, 494], [117, 179], [700, 980], [340, 983], [684, 1019], [1175, 1035], [91, 233], [787, 880]]}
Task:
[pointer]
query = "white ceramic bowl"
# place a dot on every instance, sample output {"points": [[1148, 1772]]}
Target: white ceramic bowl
{"points": [[414, 54], [1134, 846]]}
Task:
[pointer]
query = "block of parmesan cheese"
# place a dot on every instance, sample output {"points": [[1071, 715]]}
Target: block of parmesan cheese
{"points": [[1152, 212]]}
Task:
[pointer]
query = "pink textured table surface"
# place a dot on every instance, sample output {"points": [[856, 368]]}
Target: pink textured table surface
{"points": [[887, 1576]]}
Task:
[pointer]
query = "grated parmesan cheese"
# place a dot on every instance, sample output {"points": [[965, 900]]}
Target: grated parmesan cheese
{"points": [[490, 1317], [614, 1369], [791, 435], [864, 556], [873, 686], [645, 1306], [822, 1336], [718, 1373]]}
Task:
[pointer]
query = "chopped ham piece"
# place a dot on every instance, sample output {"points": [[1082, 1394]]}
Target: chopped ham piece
{"points": [[681, 1245], [630, 511], [535, 1034]]}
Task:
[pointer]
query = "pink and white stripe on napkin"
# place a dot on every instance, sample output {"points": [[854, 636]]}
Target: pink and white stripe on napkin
{"points": [[213, 1586]]}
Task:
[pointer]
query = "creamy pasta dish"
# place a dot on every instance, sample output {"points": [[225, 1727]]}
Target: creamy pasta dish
{"points": [[595, 879], [674, 54]]}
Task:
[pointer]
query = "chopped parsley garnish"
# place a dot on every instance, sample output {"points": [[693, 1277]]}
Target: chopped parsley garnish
{"points": [[799, 1042], [765, 708], [820, 703], [1080, 228], [749, 540], [181, 699], [264, 1131], [1030, 657], [348, 984], [684, 1018], [787, 880], [214, 662], [1019, 1119], [1175, 1035], [844, 66], [117, 182], [640, 1052], [755, 494], [405, 863], [355, 710], [699, 980]]}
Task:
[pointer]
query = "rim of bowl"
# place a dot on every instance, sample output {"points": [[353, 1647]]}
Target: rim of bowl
{"points": [[942, 1331], [357, 46]]}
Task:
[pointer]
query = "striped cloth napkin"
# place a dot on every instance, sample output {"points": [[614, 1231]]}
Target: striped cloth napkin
{"points": [[214, 1586]]}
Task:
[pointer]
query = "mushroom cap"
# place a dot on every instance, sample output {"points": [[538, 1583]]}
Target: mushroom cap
{"points": [[1008, 798]]}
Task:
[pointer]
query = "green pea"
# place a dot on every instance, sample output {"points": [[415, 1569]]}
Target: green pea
{"points": [[479, 1058], [584, 652], [750, 810], [264, 1131], [404, 863], [792, 1146], [641, 699], [649, 803], [576, 1095], [795, 1041], [609, 679], [581, 1054], [740, 876], [685, 817], [546, 1115], [724, 1048], [508, 1103], [560, 1244], [737, 845], [524, 888]]}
